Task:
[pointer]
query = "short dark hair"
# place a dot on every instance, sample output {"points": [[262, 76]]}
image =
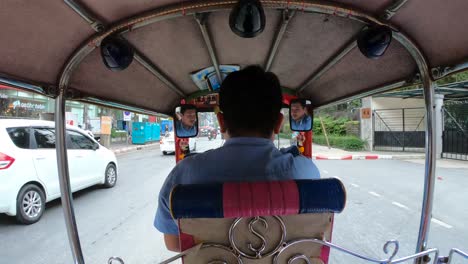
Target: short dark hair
{"points": [[251, 101], [186, 107], [300, 101]]}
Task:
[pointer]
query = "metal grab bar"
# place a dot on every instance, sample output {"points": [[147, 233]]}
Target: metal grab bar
{"points": [[456, 251], [390, 260]]}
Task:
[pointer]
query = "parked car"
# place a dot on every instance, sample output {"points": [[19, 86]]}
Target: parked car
{"points": [[28, 166], [167, 145]]}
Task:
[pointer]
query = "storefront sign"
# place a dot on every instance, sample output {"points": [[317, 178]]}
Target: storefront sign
{"points": [[106, 125], [127, 116], [27, 105], [365, 113]]}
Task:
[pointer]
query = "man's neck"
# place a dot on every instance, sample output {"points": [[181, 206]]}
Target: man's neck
{"points": [[187, 127], [251, 134]]}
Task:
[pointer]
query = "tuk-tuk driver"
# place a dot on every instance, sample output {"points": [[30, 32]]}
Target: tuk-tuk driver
{"points": [[186, 125], [250, 104], [300, 119]]}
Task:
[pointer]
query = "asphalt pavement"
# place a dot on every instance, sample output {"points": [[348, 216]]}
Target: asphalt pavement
{"points": [[383, 203]]}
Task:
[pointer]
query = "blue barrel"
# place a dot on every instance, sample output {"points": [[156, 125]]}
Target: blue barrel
{"points": [[138, 133], [148, 132]]}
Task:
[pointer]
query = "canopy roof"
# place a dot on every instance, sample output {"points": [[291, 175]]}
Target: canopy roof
{"points": [[48, 45], [451, 92]]}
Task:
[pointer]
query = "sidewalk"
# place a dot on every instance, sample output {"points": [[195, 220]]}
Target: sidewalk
{"points": [[320, 152], [120, 148], [324, 153]]}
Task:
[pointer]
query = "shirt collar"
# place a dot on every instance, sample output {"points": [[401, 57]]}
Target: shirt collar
{"points": [[248, 141], [304, 119]]}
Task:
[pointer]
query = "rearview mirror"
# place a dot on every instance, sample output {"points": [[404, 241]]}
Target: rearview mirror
{"points": [[300, 115], [186, 121]]}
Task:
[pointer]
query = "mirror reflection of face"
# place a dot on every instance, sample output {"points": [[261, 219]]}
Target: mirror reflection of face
{"points": [[297, 111], [189, 117]]}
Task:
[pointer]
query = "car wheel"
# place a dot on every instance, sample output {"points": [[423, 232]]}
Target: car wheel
{"points": [[164, 152], [30, 204], [110, 176]]}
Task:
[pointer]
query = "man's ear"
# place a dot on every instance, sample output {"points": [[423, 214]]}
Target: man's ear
{"points": [[278, 123], [220, 117]]}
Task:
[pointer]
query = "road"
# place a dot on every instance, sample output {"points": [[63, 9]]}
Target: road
{"points": [[384, 200]]}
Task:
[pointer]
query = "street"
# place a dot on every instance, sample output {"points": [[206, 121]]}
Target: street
{"points": [[384, 199]]}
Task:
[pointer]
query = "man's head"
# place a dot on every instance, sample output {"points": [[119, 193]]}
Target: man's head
{"points": [[188, 115], [250, 101], [298, 109]]}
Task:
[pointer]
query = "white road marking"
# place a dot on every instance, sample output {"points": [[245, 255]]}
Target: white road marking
{"points": [[375, 194], [354, 185], [324, 171], [441, 223], [400, 205]]}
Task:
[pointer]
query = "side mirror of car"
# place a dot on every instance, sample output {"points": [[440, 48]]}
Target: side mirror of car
{"points": [[300, 115], [186, 121]]}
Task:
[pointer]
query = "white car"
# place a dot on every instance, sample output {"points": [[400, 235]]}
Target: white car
{"points": [[28, 166], [167, 145]]}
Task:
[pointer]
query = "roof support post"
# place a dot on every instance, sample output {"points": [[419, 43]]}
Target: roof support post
{"points": [[98, 26], [201, 21], [332, 61], [393, 9], [287, 15], [147, 64], [440, 72], [430, 164], [64, 178], [345, 50]]}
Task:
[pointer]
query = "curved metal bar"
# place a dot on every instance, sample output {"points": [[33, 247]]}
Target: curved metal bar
{"points": [[418, 256], [64, 179], [205, 6], [387, 260], [299, 257], [222, 247], [194, 7], [430, 166], [457, 251], [258, 252], [115, 260]]}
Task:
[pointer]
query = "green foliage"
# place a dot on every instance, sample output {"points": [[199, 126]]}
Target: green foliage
{"points": [[118, 134], [343, 142], [458, 77], [285, 135], [333, 126]]}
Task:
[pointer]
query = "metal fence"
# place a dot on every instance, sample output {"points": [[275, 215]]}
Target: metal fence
{"points": [[399, 129], [455, 135]]}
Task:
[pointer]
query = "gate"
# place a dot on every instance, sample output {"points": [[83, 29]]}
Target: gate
{"points": [[399, 129], [455, 135]]}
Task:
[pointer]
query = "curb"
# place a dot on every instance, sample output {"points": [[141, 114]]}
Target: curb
{"points": [[129, 149], [366, 157]]}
